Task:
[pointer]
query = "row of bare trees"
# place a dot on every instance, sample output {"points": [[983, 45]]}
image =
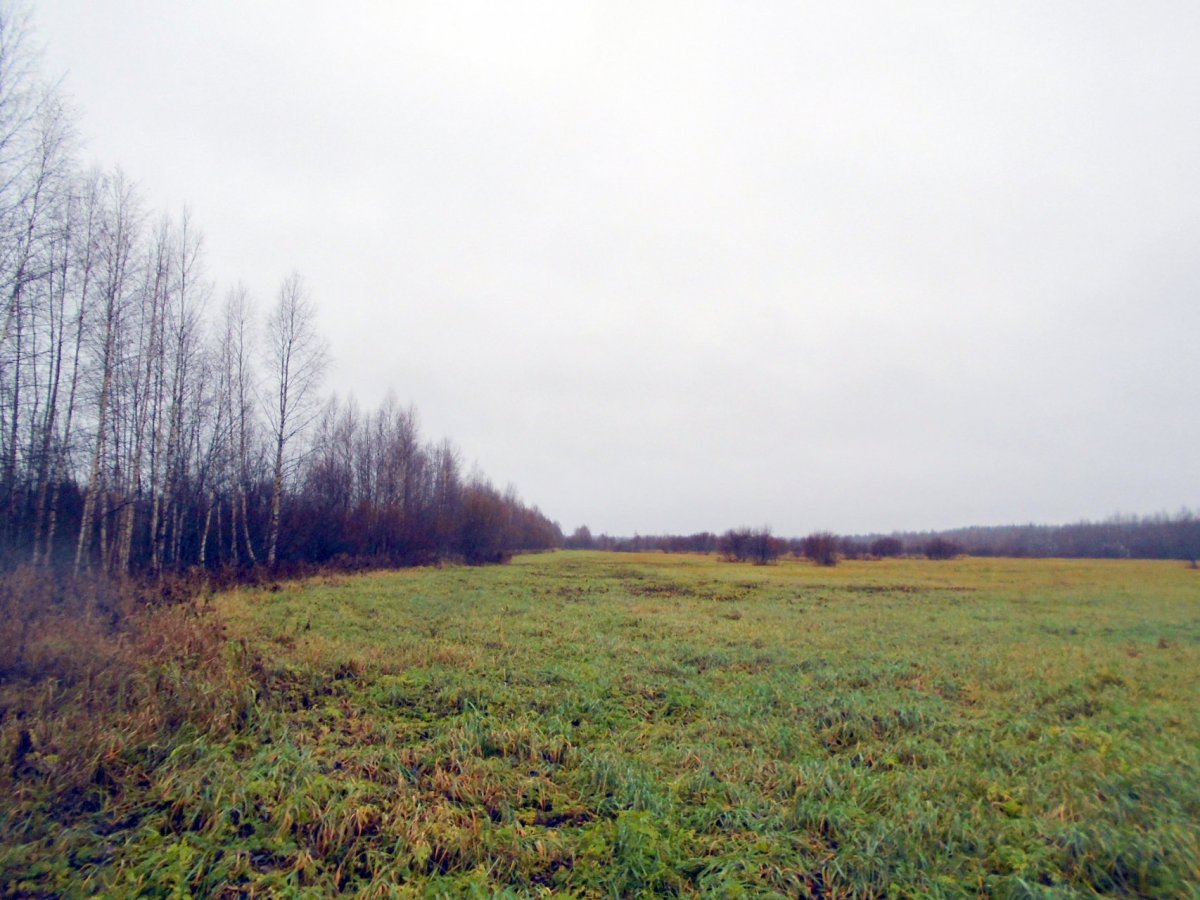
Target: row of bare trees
{"points": [[147, 425], [1160, 536], [372, 491]]}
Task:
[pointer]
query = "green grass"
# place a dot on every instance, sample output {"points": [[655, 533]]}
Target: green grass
{"points": [[614, 725]]}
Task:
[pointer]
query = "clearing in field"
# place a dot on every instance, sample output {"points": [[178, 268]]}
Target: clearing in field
{"points": [[606, 725]]}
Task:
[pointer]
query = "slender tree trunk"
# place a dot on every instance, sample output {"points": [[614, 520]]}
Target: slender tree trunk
{"points": [[233, 531], [246, 529], [105, 559], [276, 504], [10, 456], [208, 515], [90, 498], [177, 536], [124, 551], [58, 333]]}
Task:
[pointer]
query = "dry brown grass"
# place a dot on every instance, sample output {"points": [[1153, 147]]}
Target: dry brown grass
{"points": [[96, 675]]}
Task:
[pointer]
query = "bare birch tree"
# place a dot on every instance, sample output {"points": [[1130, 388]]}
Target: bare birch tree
{"points": [[297, 356], [237, 336], [117, 237]]}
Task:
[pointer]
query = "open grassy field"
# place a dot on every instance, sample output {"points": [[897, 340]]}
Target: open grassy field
{"points": [[615, 725]]}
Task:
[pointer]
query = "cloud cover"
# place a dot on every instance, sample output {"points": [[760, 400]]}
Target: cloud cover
{"points": [[669, 267]]}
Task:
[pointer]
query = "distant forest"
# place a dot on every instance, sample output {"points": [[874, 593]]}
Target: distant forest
{"points": [[1159, 536], [148, 424]]}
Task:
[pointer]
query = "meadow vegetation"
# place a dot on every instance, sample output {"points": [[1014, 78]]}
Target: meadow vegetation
{"points": [[603, 725]]}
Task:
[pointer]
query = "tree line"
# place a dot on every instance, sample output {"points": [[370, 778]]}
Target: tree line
{"points": [[150, 423], [1160, 536], [1157, 536]]}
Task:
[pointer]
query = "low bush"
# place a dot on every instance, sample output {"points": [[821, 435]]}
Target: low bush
{"points": [[821, 547], [942, 548]]}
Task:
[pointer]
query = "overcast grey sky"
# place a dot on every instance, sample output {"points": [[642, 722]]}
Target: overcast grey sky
{"points": [[683, 266]]}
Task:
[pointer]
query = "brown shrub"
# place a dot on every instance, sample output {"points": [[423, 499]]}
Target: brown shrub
{"points": [[821, 547]]}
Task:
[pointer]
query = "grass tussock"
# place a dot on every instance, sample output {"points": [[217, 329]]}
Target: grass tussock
{"points": [[594, 725]]}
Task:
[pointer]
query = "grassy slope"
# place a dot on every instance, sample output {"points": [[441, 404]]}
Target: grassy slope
{"points": [[606, 724]]}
